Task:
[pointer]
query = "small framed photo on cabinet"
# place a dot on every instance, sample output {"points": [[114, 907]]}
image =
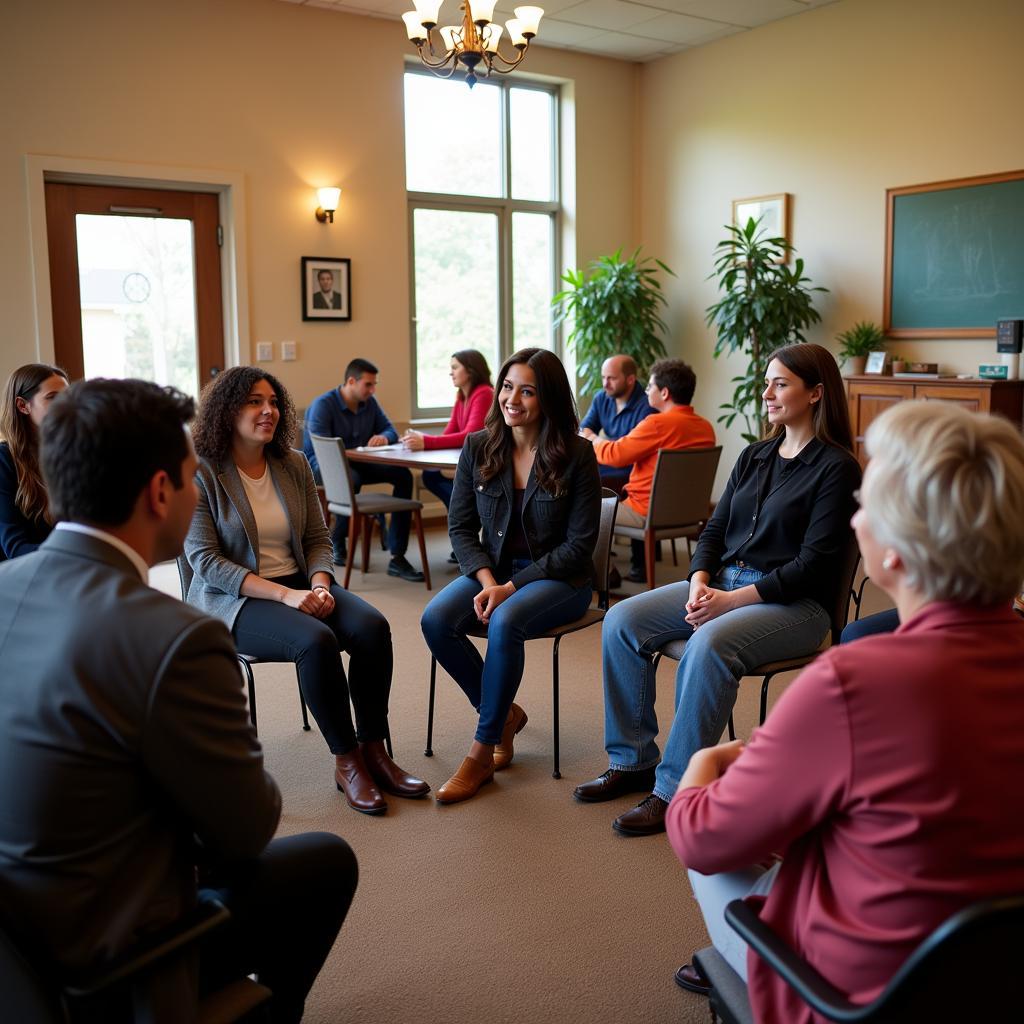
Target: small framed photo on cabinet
{"points": [[876, 362], [326, 288]]}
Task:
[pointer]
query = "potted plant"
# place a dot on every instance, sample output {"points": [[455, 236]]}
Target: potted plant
{"points": [[766, 305], [899, 364], [615, 310], [855, 344]]}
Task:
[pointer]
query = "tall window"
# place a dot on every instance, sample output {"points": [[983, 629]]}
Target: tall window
{"points": [[482, 177]]}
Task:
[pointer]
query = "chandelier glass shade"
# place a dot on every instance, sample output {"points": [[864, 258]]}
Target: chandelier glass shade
{"points": [[475, 44]]}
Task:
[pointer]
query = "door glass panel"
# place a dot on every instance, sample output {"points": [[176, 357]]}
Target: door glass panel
{"points": [[532, 259], [137, 282], [455, 255]]}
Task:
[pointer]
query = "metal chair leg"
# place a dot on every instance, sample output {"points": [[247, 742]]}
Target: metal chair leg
{"points": [[429, 752], [732, 728], [247, 669], [555, 774], [302, 703]]}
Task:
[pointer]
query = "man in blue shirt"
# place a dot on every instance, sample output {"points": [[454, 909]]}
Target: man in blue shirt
{"points": [[352, 413]]}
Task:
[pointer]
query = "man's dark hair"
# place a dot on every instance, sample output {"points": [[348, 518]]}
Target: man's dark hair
{"points": [[358, 367], [679, 378], [103, 440]]}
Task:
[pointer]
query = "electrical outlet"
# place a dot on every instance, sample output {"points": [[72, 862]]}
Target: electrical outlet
{"points": [[264, 351], [288, 351]]}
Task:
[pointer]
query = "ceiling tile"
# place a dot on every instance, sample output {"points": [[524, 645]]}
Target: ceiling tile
{"points": [[746, 13], [678, 28], [607, 14]]}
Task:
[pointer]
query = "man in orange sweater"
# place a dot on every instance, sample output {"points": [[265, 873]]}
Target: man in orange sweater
{"points": [[675, 425]]}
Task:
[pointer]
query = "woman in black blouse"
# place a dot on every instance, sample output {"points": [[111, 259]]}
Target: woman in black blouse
{"points": [[24, 516], [765, 569]]}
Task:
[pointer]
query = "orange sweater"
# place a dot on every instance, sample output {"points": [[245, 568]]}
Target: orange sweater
{"points": [[678, 427]]}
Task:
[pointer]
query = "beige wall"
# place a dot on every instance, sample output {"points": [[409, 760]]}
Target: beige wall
{"points": [[834, 107], [289, 97]]}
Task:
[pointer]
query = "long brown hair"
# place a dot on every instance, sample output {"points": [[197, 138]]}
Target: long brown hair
{"points": [[475, 365], [22, 438], [558, 426], [815, 365]]}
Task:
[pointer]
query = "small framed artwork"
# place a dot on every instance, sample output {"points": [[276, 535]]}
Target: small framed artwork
{"points": [[876, 362], [326, 288], [771, 211]]}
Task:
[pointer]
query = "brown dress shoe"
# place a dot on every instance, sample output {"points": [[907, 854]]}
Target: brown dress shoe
{"points": [[353, 779], [514, 724], [646, 819], [466, 781], [614, 783], [387, 774], [689, 977]]}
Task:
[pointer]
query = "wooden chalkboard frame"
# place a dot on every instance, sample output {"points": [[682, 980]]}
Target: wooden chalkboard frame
{"points": [[890, 203]]}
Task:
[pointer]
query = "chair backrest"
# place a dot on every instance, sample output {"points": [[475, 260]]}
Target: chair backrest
{"points": [[603, 548], [681, 489], [840, 611], [334, 471]]}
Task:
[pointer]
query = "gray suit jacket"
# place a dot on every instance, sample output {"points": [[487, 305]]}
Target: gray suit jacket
{"points": [[125, 734], [223, 544]]}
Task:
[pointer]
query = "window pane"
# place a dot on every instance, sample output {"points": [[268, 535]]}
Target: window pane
{"points": [[532, 114], [532, 260], [455, 255], [452, 137], [138, 299]]}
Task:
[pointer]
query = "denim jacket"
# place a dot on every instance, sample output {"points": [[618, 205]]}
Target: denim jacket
{"points": [[561, 531]]}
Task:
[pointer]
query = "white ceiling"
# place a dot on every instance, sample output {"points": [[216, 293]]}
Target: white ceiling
{"points": [[627, 29]]}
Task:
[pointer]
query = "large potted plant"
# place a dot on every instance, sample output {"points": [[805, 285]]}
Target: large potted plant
{"points": [[857, 342], [614, 310], [765, 305]]}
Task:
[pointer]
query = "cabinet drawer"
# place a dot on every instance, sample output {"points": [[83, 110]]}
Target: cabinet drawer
{"points": [[972, 399]]}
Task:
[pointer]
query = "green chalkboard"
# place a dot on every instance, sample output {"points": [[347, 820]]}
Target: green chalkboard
{"points": [[954, 257]]}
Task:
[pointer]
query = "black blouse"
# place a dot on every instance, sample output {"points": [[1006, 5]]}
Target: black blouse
{"points": [[18, 535]]}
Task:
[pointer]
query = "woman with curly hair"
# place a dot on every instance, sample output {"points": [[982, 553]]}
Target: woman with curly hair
{"points": [[24, 514], [523, 520], [261, 555]]}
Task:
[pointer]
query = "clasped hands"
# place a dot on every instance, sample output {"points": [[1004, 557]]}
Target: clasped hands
{"points": [[706, 603], [318, 602], [486, 602]]}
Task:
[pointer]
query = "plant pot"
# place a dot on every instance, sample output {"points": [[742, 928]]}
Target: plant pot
{"points": [[899, 366], [856, 364]]}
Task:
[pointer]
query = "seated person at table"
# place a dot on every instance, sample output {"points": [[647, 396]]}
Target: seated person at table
{"points": [[262, 561], [130, 775], [25, 520], [472, 377], [674, 425], [350, 412], [765, 569], [888, 774]]}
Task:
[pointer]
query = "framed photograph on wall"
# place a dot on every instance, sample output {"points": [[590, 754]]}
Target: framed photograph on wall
{"points": [[876, 362], [326, 288], [773, 212]]}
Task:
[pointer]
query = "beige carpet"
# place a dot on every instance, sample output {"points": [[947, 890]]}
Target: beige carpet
{"points": [[520, 905]]}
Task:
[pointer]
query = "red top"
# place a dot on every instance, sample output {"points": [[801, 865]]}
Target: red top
{"points": [[467, 416], [891, 775]]}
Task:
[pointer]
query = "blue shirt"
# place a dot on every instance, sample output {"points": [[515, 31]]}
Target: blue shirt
{"points": [[329, 416], [604, 413]]}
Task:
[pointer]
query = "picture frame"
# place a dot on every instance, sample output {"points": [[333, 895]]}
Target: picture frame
{"points": [[326, 288], [876, 362], [773, 211]]}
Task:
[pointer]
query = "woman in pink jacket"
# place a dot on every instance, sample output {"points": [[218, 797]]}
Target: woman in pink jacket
{"points": [[888, 774]]}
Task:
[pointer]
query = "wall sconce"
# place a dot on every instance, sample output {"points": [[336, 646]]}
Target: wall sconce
{"points": [[328, 198]]}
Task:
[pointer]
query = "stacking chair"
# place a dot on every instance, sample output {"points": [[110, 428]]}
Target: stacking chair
{"points": [[839, 614], [361, 509], [602, 561], [967, 969], [680, 500]]}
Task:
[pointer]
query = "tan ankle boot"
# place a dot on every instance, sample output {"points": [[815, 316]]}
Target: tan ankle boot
{"points": [[514, 724], [466, 781]]}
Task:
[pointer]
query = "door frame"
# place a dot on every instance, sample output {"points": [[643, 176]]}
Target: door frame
{"points": [[229, 186]]}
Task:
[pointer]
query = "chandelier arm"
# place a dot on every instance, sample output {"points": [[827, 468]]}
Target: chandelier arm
{"points": [[509, 64], [439, 64]]}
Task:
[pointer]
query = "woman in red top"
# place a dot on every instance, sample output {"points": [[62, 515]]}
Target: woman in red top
{"points": [[888, 773]]}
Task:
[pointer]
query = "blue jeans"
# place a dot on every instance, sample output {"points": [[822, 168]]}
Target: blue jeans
{"points": [[880, 622], [437, 483], [491, 683], [715, 658]]}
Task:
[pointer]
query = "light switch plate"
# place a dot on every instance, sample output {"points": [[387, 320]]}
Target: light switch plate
{"points": [[264, 351], [288, 351]]}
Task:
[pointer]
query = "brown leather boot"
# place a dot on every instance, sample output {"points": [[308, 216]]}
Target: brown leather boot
{"points": [[353, 779], [388, 775], [466, 781], [514, 724]]}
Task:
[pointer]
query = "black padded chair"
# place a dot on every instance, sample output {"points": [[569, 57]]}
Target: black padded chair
{"points": [[967, 969], [602, 561]]}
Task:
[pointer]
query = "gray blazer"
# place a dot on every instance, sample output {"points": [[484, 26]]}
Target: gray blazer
{"points": [[222, 546]]}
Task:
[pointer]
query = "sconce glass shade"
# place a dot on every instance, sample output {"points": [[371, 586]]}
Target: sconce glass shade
{"points": [[448, 34], [414, 27], [515, 32], [492, 36], [427, 10], [529, 19], [329, 198], [482, 10]]}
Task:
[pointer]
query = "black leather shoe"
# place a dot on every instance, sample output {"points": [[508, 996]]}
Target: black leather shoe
{"points": [[614, 783], [646, 819], [400, 566], [614, 579], [689, 977], [636, 575]]}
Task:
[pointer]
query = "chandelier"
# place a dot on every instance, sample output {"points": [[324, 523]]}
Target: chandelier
{"points": [[473, 43]]}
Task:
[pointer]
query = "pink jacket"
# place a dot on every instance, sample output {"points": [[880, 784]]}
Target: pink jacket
{"points": [[467, 416]]}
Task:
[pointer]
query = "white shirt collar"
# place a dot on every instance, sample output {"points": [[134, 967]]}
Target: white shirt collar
{"points": [[115, 542]]}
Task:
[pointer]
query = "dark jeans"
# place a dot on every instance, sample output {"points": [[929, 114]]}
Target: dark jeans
{"points": [[287, 906], [275, 632], [437, 483], [880, 622], [401, 481]]}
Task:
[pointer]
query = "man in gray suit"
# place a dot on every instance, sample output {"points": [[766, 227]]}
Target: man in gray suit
{"points": [[128, 763]]}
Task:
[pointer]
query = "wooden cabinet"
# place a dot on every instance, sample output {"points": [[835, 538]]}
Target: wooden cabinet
{"points": [[869, 395]]}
